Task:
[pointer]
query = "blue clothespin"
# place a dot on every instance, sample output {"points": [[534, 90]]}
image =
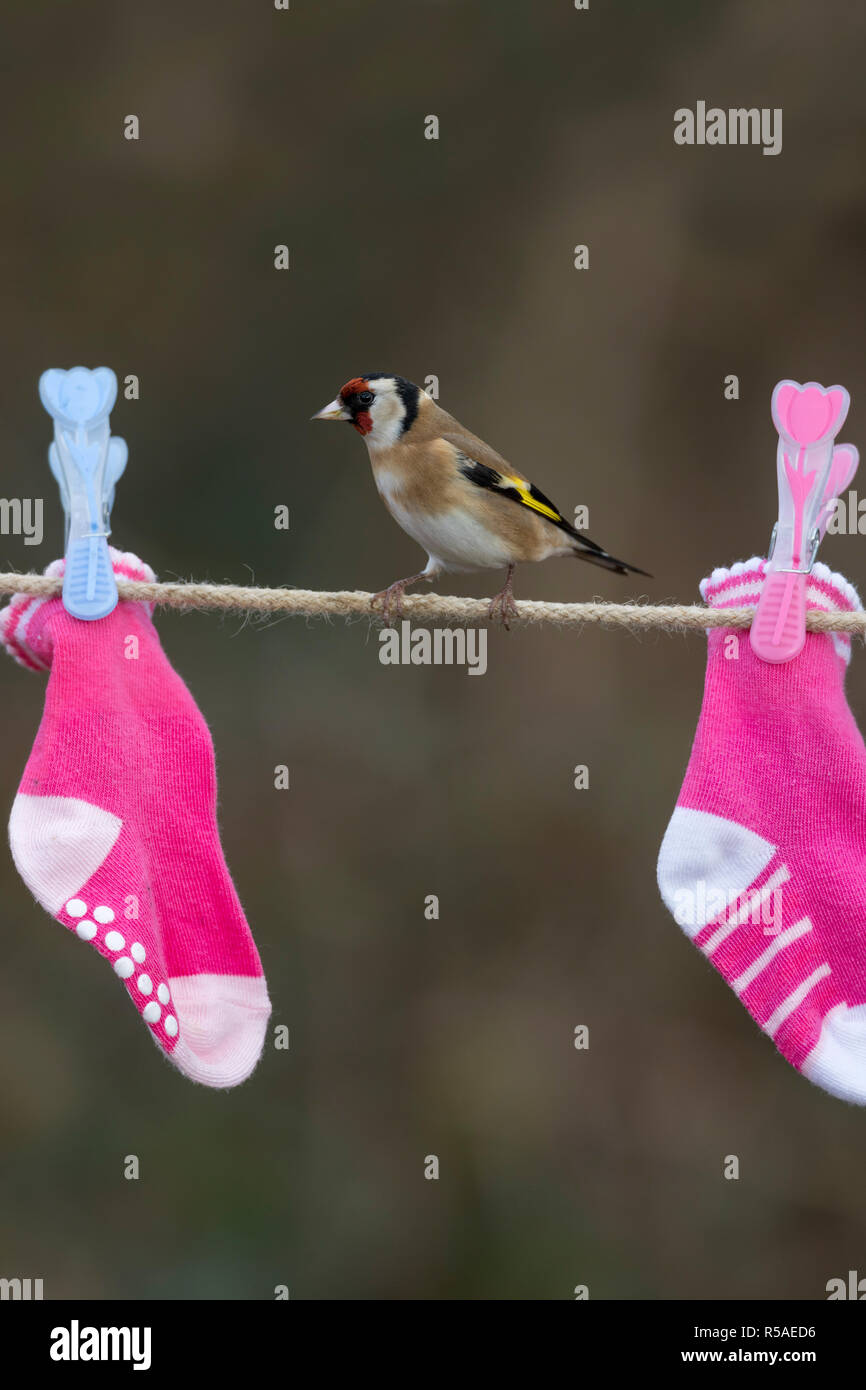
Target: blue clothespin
{"points": [[87, 462]]}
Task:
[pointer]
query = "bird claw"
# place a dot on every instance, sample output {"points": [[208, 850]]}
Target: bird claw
{"points": [[502, 607], [391, 600]]}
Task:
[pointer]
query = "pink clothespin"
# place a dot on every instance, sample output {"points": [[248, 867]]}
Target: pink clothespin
{"points": [[811, 474]]}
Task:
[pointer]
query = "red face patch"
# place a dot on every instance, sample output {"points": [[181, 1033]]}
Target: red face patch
{"points": [[361, 419], [351, 388]]}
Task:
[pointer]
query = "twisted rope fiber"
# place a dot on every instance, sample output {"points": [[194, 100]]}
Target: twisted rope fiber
{"points": [[347, 603]]}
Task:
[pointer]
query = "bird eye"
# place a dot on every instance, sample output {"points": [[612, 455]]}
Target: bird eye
{"points": [[365, 397]]}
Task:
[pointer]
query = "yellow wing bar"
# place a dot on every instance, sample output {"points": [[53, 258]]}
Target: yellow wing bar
{"points": [[529, 501]]}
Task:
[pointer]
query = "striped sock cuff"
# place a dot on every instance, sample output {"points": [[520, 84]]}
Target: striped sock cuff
{"points": [[21, 620], [740, 587]]}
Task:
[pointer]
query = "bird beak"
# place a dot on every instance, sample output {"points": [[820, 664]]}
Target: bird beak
{"points": [[334, 411]]}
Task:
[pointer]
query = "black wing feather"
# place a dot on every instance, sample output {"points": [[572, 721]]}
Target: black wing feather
{"points": [[482, 475]]}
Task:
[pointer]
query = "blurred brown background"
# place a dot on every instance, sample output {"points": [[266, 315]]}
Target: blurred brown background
{"points": [[451, 258]]}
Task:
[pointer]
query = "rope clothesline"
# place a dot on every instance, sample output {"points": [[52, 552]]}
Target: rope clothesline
{"points": [[353, 603]]}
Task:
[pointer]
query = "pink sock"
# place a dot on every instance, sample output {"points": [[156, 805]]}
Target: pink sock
{"points": [[114, 830], [764, 861]]}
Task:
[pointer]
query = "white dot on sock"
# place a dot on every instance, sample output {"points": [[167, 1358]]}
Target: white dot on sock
{"points": [[137, 951], [103, 914], [124, 967], [145, 984], [114, 941], [151, 1012], [86, 930], [76, 908], [162, 994], [171, 1025]]}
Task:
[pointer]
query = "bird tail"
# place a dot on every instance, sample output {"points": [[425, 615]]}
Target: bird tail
{"points": [[584, 549]]}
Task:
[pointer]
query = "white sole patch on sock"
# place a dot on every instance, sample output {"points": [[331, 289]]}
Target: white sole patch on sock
{"points": [[837, 1062], [222, 1019], [705, 864], [58, 843]]}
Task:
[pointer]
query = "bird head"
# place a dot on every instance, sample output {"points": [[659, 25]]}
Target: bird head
{"points": [[382, 408]]}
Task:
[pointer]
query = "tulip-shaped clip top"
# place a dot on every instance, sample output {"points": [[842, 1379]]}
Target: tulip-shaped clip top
{"points": [[87, 462], [811, 474]]}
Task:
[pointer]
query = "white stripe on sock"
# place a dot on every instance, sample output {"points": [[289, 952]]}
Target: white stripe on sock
{"points": [[743, 596], [782, 940], [744, 912], [19, 636], [794, 1000]]}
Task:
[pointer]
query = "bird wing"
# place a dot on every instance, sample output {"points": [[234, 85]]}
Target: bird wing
{"points": [[481, 465]]}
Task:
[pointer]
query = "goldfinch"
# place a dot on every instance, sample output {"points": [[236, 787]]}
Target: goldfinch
{"points": [[452, 493]]}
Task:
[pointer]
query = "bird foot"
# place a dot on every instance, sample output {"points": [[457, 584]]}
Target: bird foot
{"points": [[391, 598], [391, 601], [502, 607]]}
